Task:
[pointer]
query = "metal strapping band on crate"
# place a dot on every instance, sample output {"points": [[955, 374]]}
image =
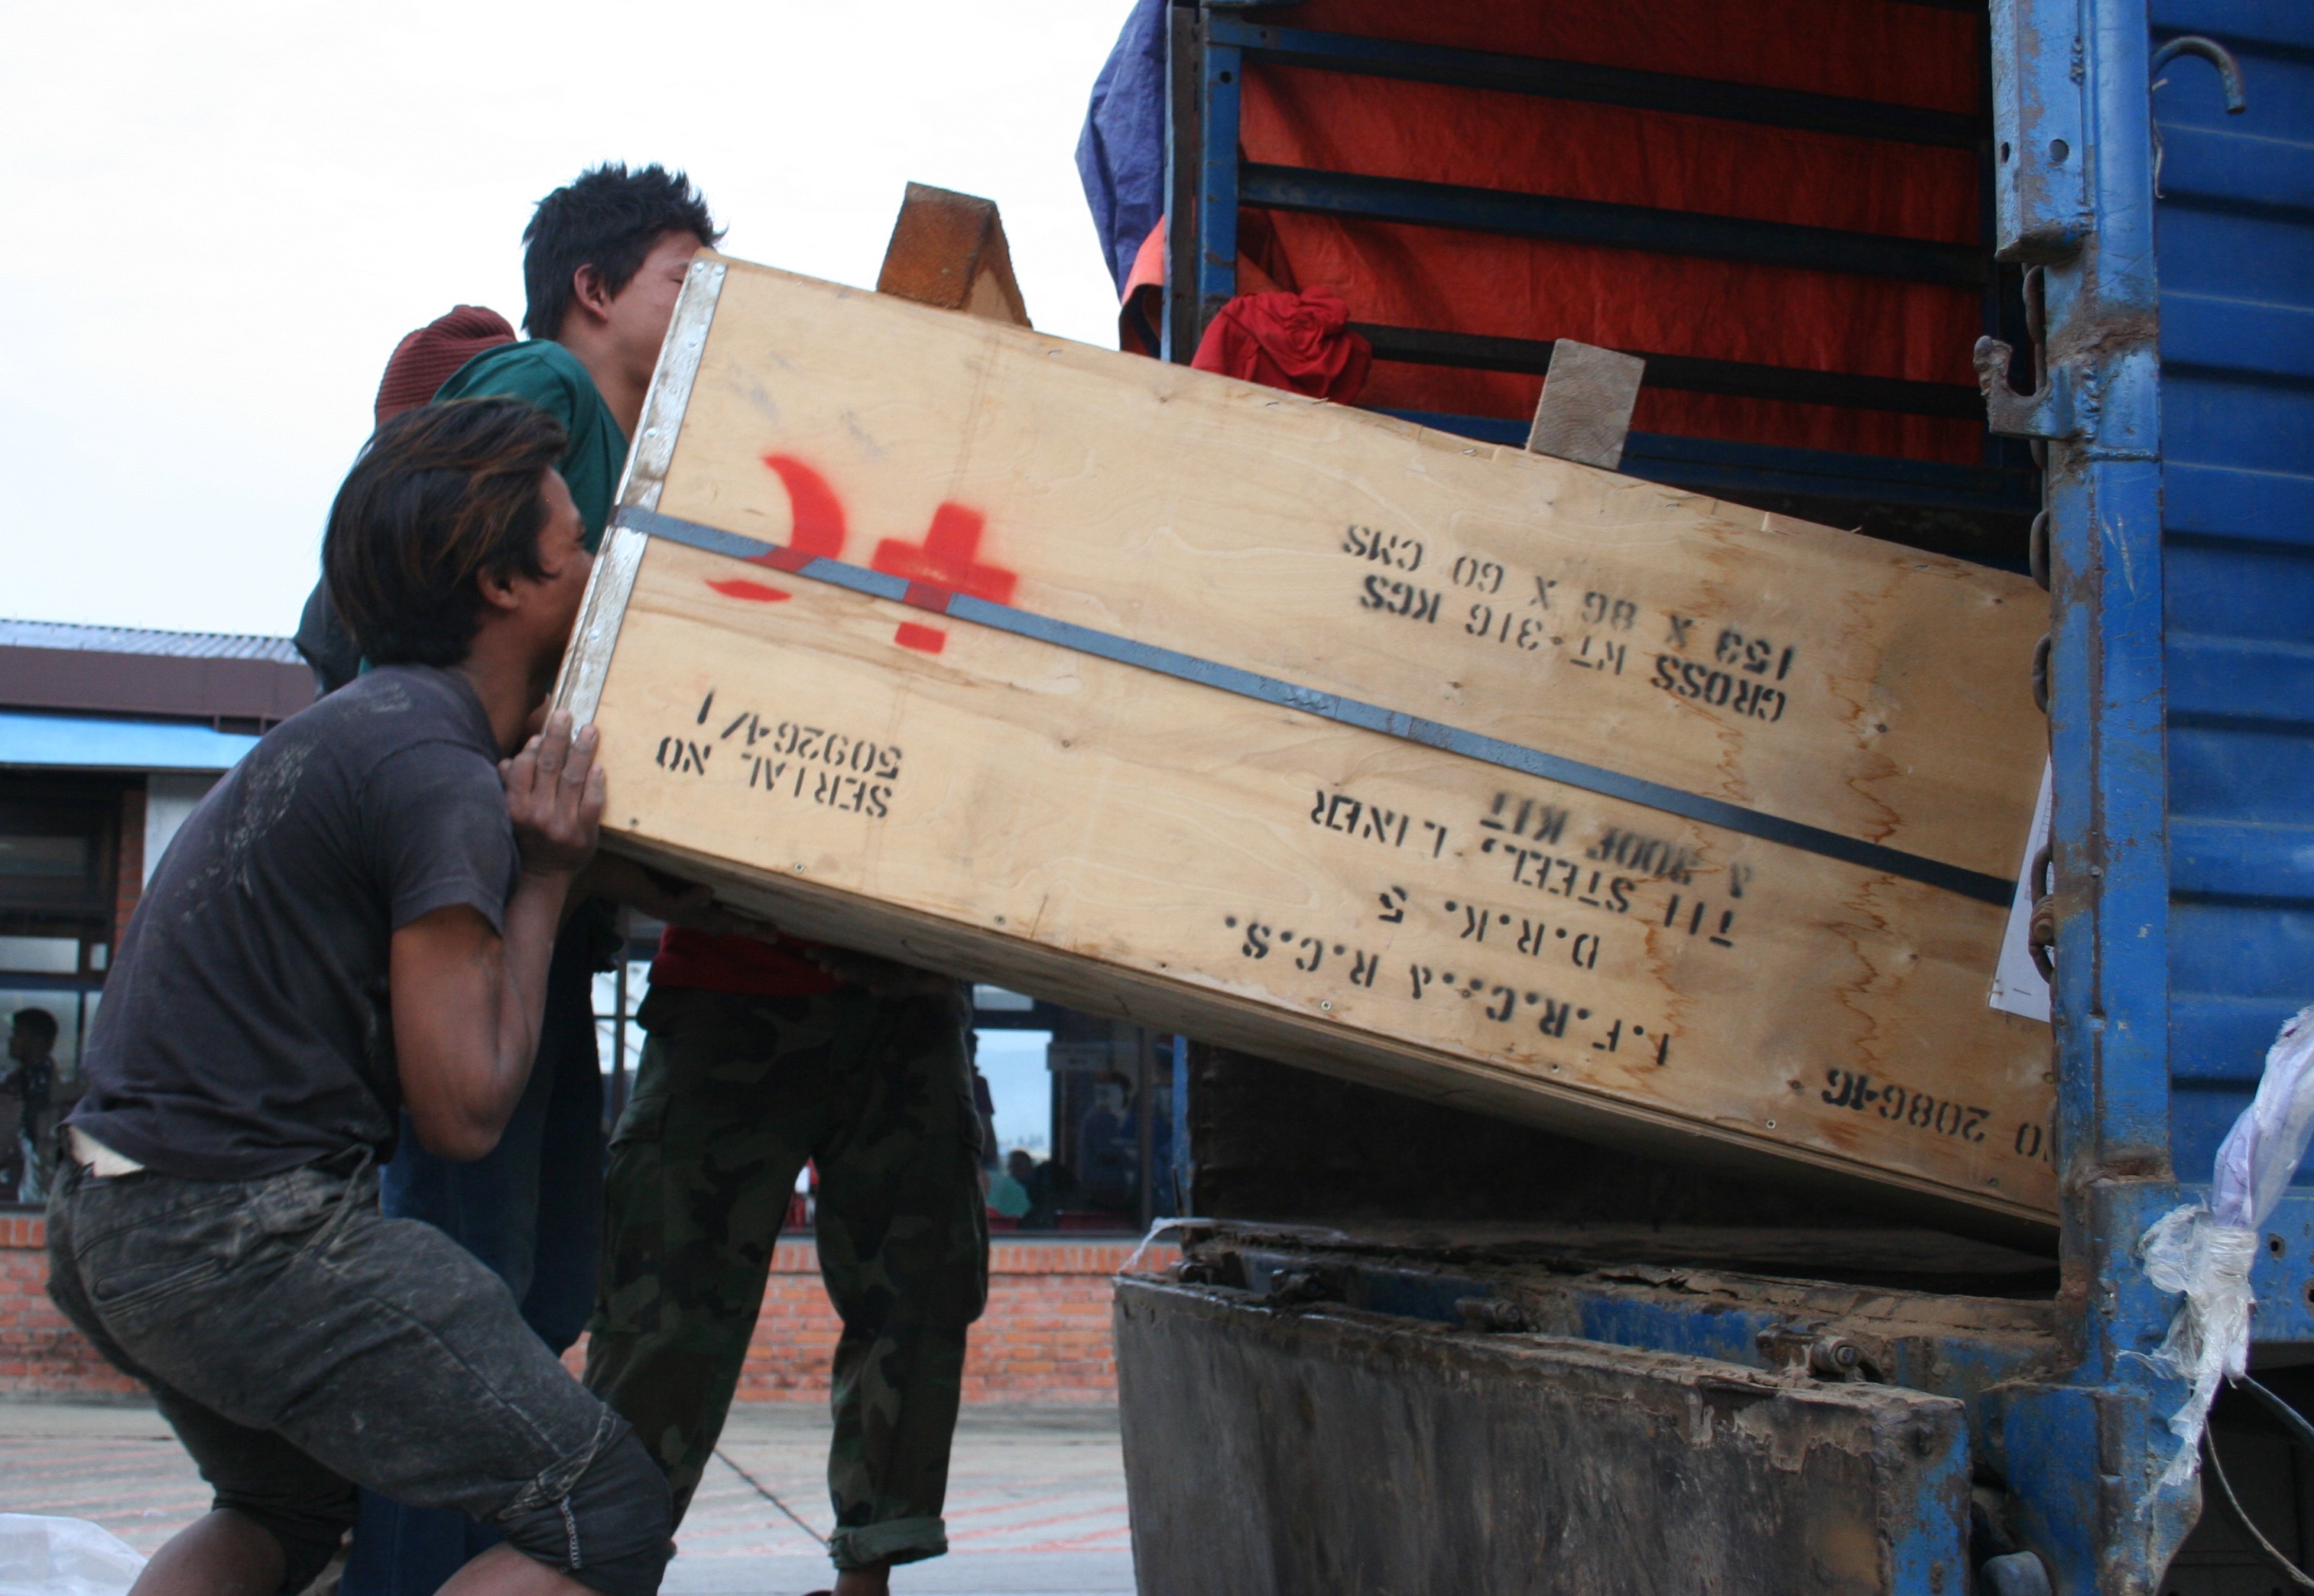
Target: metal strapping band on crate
{"points": [[1329, 706]]}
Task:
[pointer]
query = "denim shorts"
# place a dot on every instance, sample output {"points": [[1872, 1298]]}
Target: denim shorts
{"points": [[301, 1344]]}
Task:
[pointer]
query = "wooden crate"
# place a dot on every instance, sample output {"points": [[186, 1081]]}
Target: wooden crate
{"points": [[1476, 774]]}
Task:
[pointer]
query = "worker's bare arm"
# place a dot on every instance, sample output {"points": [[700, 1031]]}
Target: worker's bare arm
{"points": [[466, 1000]]}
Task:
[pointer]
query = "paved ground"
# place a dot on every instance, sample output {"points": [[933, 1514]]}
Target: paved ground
{"points": [[1035, 1498]]}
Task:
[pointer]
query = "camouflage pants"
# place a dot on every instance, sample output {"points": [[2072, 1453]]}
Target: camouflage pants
{"points": [[733, 1094]]}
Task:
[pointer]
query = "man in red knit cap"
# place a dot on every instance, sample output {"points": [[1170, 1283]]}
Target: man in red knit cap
{"points": [[430, 356]]}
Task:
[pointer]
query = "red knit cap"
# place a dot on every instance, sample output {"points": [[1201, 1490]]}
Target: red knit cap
{"points": [[429, 357]]}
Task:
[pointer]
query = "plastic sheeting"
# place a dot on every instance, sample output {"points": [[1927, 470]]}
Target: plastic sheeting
{"points": [[40, 1555], [1121, 152], [2207, 1252]]}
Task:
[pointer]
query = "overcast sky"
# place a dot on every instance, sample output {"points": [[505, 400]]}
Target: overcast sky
{"points": [[221, 217]]}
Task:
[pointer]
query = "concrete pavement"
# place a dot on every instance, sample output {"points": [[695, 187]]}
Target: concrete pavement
{"points": [[1036, 1498]]}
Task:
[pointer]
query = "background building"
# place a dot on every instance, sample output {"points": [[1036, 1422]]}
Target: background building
{"points": [[108, 737]]}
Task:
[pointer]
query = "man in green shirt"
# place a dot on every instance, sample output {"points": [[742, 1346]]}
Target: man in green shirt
{"points": [[602, 259], [603, 262]]}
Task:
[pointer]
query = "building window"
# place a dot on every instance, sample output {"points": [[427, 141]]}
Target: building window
{"points": [[56, 850]]}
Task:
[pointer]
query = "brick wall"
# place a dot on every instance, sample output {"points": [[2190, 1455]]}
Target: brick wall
{"points": [[41, 1355], [1045, 1338], [128, 871]]}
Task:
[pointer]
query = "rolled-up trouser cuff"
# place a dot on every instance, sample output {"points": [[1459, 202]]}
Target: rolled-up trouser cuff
{"points": [[894, 1540], [609, 1528]]}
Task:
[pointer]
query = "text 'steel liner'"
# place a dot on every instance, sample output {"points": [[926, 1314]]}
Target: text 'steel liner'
{"points": [[1329, 706]]}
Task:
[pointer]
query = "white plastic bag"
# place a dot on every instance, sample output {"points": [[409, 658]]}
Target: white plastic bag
{"points": [[2206, 1253], [49, 1556]]}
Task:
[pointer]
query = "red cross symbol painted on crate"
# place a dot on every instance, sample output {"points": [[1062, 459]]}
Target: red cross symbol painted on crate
{"points": [[945, 564]]}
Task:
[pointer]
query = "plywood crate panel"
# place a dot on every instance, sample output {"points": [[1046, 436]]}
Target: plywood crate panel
{"points": [[1476, 774]]}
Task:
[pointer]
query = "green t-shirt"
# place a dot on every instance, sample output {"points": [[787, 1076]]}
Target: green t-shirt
{"points": [[552, 378]]}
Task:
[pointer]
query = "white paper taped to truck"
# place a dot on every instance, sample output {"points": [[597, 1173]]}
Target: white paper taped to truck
{"points": [[2017, 985]]}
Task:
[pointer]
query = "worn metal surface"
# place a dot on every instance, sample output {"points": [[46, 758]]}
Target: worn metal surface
{"points": [[2075, 192], [1914, 1308], [600, 615], [1334, 1450], [669, 394], [2235, 225]]}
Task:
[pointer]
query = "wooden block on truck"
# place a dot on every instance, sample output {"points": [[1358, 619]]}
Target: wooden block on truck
{"points": [[1487, 777]]}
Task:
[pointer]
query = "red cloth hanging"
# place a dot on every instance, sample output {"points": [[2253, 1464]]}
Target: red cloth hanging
{"points": [[1299, 342]]}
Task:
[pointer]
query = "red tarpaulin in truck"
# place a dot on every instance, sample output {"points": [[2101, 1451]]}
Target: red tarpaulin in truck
{"points": [[1903, 54]]}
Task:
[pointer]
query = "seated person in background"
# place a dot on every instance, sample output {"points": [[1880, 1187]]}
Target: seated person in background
{"points": [[1109, 1145], [32, 1048], [1007, 1196], [1048, 1185], [359, 919]]}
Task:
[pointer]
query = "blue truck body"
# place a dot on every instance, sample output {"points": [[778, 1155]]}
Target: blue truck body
{"points": [[2170, 441]]}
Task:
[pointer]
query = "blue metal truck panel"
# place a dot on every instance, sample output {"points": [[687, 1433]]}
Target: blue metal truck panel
{"points": [[2234, 231]]}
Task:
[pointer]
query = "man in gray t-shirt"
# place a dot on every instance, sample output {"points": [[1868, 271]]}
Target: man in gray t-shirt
{"points": [[356, 922], [246, 1028]]}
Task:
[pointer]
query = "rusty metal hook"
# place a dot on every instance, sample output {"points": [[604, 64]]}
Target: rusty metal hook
{"points": [[2041, 930], [2217, 55]]}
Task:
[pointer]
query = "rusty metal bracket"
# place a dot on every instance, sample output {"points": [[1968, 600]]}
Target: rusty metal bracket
{"points": [[2047, 412], [2041, 930], [1798, 1352], [2040, 122]]}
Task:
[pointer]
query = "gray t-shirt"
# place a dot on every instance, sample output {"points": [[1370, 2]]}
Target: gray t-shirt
{"points": [[245, 1029]]}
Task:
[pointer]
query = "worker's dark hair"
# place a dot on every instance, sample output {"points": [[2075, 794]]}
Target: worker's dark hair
{"points": [[442, 497], [36, 1022], [608, 218]]}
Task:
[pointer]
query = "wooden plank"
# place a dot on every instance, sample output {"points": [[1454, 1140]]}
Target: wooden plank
{"points": [[1584, 413], [1116, 764], [947, 250]]}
